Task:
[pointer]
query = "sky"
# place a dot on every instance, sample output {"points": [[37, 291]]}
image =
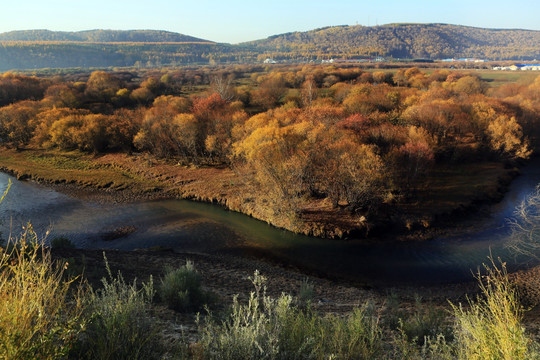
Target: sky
{"points": [[234, 21]]}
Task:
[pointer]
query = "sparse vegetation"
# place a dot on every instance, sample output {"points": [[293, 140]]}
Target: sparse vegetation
{"points": [[57, 320], [267, 328]]}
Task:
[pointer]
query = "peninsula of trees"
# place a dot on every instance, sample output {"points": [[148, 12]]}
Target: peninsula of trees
{"points": [[318, 150]]}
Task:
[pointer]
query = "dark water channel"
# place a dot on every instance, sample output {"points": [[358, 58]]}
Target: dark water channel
{"points": [[195, 227]]}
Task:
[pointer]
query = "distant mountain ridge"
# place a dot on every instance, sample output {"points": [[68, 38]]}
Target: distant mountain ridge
{"points": [[433, 41], [99, 36], [36, 49]]}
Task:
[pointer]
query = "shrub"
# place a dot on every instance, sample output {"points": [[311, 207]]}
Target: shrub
{"points": [[306, 293], [119, 324], [61, 242], [39, 315], [267, 328], [424, 324], [181, 290]]}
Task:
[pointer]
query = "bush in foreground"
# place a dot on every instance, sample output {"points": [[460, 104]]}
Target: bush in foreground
{"points": [[39, 314], [491, 328], [267, 328], [61, 242], [181, 290], [119, 325]]}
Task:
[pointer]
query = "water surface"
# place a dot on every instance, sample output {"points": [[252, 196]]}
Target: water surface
{"points": [[188, 226]]}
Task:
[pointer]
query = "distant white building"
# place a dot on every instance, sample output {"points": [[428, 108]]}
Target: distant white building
{"points": [[516, 67], [531, 67], [270, 61]]}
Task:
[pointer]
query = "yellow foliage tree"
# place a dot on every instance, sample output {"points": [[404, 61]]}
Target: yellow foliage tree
{"points": [[506, 136]]}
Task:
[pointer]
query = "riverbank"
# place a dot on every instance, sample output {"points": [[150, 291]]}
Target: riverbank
{"points": [[449, 194]]}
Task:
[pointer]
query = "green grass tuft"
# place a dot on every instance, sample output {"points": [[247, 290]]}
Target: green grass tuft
{"points": [[181, 290]]}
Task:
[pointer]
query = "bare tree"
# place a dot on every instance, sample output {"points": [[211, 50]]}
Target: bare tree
{"points": [[525, 238], [224, 87]]}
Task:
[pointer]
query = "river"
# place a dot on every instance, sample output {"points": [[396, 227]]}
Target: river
{"points": [[187, 226]]}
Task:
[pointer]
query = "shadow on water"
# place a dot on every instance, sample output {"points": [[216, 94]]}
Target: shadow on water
{"points": [[196, 227]]}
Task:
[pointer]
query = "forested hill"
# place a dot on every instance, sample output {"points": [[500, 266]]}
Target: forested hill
{"points": [[99, 36], [434, 41], [35, 49], [38, 49]]}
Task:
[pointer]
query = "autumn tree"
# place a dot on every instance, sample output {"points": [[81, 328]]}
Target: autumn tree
{"points": [[16, 126], [273, 152], [158, 133], [15, 88], [43, 121], [101, 86], [308, 92], [269, 93], [412, 162], [63, 95], [507, 137]]}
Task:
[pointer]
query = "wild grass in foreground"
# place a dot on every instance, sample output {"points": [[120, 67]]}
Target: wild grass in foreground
{"points": [[118, 324], [267, 328], [44, 315], [491, 327], [40, 310]]}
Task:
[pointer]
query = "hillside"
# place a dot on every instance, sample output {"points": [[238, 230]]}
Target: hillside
{"points": [[37, 49], [99, 36], [434, 41], [38, 55]]}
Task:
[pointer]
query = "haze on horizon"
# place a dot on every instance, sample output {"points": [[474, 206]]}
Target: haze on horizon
{"points": [[236, 21]]}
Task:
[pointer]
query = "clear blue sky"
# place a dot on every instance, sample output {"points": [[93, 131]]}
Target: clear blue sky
{"points": [[235, 21]]}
